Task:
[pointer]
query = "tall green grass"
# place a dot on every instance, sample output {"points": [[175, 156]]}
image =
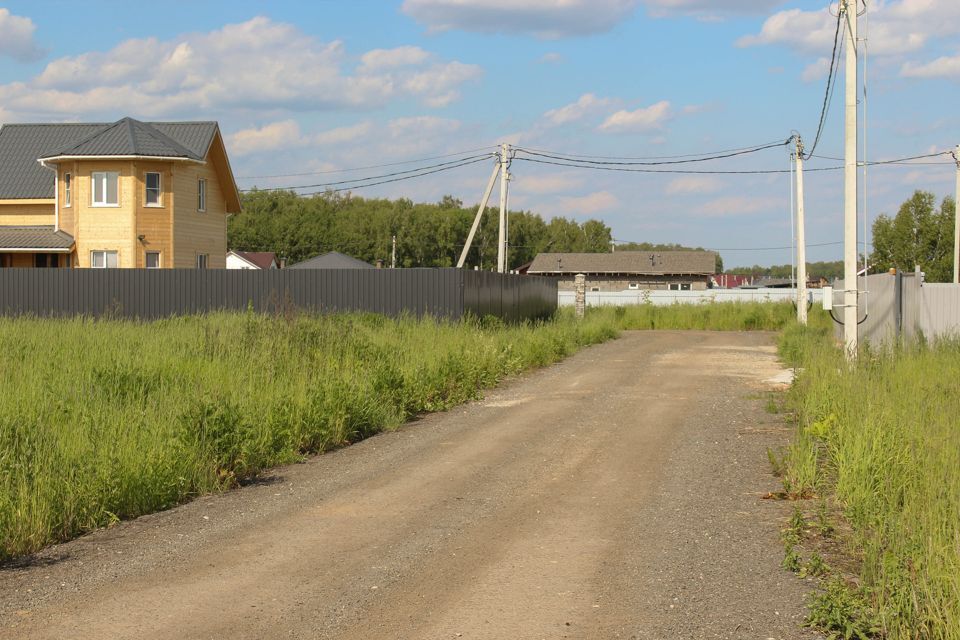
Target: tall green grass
{"points": [[882, 437], [105, 420]]}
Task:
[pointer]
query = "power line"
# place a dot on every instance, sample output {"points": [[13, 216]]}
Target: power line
{"points": [[820, 244], [903, 161], [372, 166], [686, 155], [386, 175], [408, 177], [831, 80], [718, 156]]}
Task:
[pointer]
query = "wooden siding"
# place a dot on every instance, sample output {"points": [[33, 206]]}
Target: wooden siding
{"points": [[155, 223], [105, 228], [12, 215], [195, 232], [68, 218]]}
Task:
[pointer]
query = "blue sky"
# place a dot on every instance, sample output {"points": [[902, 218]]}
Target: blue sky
{"points": [[322, 86]]}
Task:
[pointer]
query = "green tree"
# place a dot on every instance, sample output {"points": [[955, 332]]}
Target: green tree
{"points": [[919, 235]]}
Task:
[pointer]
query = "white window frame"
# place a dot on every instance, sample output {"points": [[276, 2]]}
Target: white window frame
{"points": [[67, 190], [680, 286], [203, 261], [146, 263], [106, 262], [633, 286], [103, 176], [201, 195], [146, 190]]}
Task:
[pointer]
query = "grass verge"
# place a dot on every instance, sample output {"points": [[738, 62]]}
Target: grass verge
{"points": [[878, 444]]}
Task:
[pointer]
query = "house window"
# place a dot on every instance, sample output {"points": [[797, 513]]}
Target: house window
{"points": [[42, 260], [103, 259], [680, 286], [594, 288], [201, 195], [152, 183], [152, 260], [633, 286], [67, 198], [202, 260], [105, 191]]}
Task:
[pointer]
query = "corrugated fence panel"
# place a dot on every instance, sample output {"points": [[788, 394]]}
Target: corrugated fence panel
{"points": [[149, 294]]}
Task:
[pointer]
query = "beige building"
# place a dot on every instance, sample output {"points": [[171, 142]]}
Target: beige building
{"points": [[629, 270], [129, 194]]}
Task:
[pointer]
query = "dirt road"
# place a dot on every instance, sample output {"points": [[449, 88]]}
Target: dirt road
{"points": [[615, 495]]}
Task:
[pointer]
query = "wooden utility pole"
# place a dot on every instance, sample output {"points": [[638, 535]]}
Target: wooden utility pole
{"points": [[502, 236], [801, 239], [848, 10]]}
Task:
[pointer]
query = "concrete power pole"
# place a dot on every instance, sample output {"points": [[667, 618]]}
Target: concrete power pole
{"points": [[478, 217], [801, 240], [502, 236], [956, 221], [850, 294], [393, 254]]}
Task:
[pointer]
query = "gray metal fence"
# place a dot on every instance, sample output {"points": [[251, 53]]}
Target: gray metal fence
{"points": [[151, 294], [903, 306]]}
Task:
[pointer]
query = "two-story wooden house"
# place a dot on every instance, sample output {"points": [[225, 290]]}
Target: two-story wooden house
{"points": [[128, 194]]}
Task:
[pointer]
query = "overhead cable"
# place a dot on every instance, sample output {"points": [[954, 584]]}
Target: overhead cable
{"points": [[831, 80], [687, 160], [372, 166], [457, 163], [773, 143], [399, 179]]}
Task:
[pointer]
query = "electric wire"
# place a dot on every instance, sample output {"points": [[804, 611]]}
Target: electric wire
{"points": [[831, 81], [451, 164], [688, 160], [409, 177], [772, 143], [372, 166]]}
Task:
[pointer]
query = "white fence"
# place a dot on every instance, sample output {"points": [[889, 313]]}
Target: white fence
{"points": [[665, 297]]}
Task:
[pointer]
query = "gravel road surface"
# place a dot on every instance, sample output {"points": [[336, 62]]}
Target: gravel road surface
{"points": [[614, 495]]}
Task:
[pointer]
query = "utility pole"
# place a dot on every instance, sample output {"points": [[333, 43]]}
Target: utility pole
{"points": [[848, 10], [801, 239], [956, 220], [393, 254], [502, 236], [476, 219]]}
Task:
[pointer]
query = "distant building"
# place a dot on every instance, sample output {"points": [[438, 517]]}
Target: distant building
{"points": [[252, 260], [333, 260], [732, 280], [629, 270]]}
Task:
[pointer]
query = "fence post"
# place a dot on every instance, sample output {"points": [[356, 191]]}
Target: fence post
{"points": [[580, 282], [898, 303]]}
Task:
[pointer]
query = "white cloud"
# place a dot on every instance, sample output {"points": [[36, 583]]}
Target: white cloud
{"points": [[896, 28], [733, 206], [546, 183], [341, 135], [379, 59], [541, 18], [271, 137], [16, 37], [942, 67], [596, 202], [257, 65], [816, 70], [643, 120], [693, 184], [585, 105]]}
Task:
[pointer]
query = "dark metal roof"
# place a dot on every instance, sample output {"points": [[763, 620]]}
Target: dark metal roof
{"points": [[34, 238], [333, 260], [626, 262], [128, 137], [21, 176]]}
